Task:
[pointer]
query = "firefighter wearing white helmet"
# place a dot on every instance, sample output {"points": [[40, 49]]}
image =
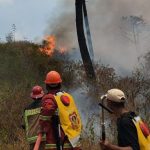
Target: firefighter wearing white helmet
{"points": [[133, 134], [116, 95]]}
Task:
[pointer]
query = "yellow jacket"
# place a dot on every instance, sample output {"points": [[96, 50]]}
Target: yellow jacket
{"points": [[69, 117], [143, 134]]}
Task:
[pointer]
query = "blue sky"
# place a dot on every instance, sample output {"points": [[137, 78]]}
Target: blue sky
{"points": [[31, 17]]}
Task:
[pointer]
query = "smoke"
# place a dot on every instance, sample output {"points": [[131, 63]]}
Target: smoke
{"points": [[83, 102], [111, 38], [63, 27], [89, 110]]}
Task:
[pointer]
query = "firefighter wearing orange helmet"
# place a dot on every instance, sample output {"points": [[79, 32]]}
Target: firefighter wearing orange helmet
{"points": [[31, 117], [59, 118]]}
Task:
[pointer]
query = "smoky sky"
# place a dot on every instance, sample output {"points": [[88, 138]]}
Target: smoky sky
{"points": [[112, 37]]}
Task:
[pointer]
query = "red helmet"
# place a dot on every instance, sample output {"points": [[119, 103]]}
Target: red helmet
{"points": [[53, 77], [37, 92]]}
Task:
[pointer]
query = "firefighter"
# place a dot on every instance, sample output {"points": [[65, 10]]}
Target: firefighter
{"points": [[31, 117], [59, 118], [130, 135]]}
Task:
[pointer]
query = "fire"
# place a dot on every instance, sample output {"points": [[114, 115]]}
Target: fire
{"points": [[49, 45]]}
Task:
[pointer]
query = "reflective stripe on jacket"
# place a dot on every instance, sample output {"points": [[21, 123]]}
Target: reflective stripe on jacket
{"points": [[31, 118]]}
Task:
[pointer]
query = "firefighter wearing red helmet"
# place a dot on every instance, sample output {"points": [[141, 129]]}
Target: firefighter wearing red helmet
{"points": [[31, 117], [59, 118], [53, 77], [37, 93]]}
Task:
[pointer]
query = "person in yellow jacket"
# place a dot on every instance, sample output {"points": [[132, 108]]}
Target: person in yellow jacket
{"points": [[59, 119], [133, 134]]}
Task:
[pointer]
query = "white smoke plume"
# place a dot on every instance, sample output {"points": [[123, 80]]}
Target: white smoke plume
{"points": [[110, 41]]}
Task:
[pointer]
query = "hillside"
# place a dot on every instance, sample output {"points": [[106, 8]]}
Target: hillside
{"points": [[22, 66]]}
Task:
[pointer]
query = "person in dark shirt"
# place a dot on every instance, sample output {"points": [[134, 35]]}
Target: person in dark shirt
{"points": [[127, 133]]}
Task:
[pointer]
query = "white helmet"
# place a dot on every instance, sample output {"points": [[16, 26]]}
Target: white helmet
{"points": [[116, 95]]}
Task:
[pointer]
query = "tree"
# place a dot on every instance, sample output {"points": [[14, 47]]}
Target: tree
{"points": [[134, 29], [9, 37]]}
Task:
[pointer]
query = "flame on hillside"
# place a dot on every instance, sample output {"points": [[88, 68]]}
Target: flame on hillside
{"points": [[49, 46]]}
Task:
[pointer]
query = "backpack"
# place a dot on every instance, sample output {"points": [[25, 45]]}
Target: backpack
{"points": [[143, 133]]}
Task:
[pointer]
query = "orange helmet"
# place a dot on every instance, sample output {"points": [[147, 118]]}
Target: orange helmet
{"points": [[53, 77], [37, 92]]}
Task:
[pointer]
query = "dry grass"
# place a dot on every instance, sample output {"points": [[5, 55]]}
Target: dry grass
{"points": [[25, 67], [88, 145], [21, 143], [24, 146]]}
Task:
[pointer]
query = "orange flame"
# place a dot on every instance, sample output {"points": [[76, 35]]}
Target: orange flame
{"points": [[49, 45]]}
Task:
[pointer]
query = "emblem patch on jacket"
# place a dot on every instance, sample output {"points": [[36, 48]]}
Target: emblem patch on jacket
{"points": [[74, 120]]}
